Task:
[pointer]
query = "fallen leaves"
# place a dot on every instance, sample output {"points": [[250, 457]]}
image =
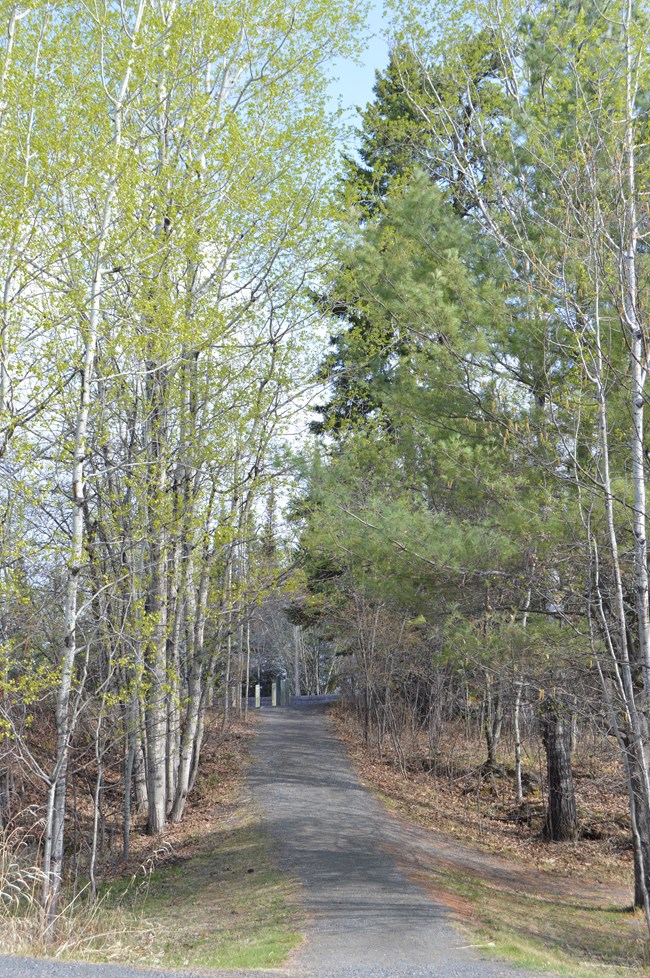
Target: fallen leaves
{"points": [[458, 799]]}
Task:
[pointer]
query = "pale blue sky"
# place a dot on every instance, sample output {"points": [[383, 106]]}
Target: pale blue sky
{"points": [[353, 82]]}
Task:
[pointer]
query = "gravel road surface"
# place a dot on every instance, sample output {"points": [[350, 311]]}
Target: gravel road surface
{"points": [[366, 918]]}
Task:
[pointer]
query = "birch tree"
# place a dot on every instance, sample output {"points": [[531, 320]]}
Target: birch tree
{"points": [[166, 174]]}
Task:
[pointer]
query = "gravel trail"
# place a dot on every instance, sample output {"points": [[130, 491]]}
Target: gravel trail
{"points": [[366, 918]]}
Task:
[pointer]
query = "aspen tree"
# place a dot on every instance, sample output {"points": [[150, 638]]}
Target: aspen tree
{"points": [[170, 207], [54, 835]]}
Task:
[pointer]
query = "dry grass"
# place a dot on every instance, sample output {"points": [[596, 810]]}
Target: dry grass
{"points": [[79, 926], [206, 894]]}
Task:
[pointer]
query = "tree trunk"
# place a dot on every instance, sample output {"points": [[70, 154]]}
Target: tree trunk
{"points": [[139, 772], [517, 729], [196, 603], [96, 818], [156, 700], [54, 847], [492, 721], [248, 665], [640, 839], [561, 816], [157, 600], [129, 759], [297, 645], [174, 681], [200, 730]]}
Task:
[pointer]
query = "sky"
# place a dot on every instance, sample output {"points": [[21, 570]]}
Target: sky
{"points": [[352, 83]]}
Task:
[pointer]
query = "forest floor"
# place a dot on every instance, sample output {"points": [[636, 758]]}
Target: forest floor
{"points": [[559, 907], [222, 890]]}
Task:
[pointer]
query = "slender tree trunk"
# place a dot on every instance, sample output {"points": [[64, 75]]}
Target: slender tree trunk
{"points": [[155, 708], [53, 863], [297, 645], [194, 690], [54, 849], [640, 833], [492, 720], [517, 730], [639, 375], [200, 730], [139, 768], [156, 673], [633, 743], [248, 664], [174, 679], [96, 815], [198, 683], [129, 759]]}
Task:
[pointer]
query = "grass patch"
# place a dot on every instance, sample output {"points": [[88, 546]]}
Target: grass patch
{"points": [[224, 907], [547, 932], [544, 932], [206, 895]]}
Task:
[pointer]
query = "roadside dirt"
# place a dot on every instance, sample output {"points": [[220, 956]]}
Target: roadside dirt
{"points": [[427, 850]]}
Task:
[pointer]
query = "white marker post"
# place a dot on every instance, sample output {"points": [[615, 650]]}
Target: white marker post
{"points": [[258, 696], [274, 694]]}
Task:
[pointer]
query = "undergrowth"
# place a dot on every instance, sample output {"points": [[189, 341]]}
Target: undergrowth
{"points": [[208, 895]]}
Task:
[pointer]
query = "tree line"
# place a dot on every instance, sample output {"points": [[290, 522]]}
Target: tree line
{"points": [[471, 507], [164, 206]]}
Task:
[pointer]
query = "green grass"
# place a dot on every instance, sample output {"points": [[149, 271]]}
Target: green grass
{"points": [[213, 899], [557, 934], [225, 908], [225, 905]]}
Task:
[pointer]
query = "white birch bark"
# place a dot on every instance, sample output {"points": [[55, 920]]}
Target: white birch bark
{"points": [[638, 351], [53, 856], [196, 606]]}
